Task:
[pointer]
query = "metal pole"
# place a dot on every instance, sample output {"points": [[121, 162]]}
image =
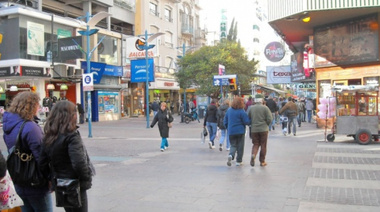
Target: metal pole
{"points": [[184, 89], [88, 71], [147, 80]]}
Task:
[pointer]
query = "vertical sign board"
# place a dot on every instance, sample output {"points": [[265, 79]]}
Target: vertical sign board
{"points": [[88, 82]]}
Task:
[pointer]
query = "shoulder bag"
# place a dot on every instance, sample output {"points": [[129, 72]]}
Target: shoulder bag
{"points": [[22, 166], [67, 193]]}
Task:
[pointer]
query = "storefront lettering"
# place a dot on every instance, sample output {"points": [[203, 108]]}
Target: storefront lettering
{"points": [[140, 54], [169, 84], [281, 74]]}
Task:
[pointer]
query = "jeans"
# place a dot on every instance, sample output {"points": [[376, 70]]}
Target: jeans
{"points": [[84, 208], [212, 128], [309, 115], [164, 143], [292, 120], [237, 146], [37, 203], [154, 113], [300, 118], [259, 140], [223, 135], [273, 121]]}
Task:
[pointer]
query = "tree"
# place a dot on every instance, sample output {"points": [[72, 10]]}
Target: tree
{"points": [[198, 68]]}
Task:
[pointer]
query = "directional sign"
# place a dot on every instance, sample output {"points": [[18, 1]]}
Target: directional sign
{"points": [[217, 82]]}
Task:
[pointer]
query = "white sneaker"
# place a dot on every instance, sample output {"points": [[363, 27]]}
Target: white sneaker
{"points": [[162, 149], [213, 147], [210, 144], [227, 149], [238, 164]]}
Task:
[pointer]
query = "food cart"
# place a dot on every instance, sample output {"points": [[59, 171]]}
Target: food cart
{"points": [[356, 109]]}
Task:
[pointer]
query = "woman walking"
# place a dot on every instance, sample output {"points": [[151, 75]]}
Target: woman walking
{"points": [[63, 153], [222, 110], [210, 121], [235, 120], [163, 117], [24, 107]]}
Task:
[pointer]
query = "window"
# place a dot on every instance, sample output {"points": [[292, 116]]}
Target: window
{"points": [[169, 38], [168, 15], [153, 9]]}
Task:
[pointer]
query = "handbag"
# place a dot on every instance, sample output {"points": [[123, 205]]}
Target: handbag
{"points": [[8, 196], [67, 193], [22, 166], [170, 124]]}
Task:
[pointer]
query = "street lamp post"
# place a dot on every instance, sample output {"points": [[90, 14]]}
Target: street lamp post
{"points": [[146, 47], [91, 21]]}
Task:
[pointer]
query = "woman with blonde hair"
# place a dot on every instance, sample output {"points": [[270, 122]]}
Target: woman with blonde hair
{"points": [[235, 120], [63, 153], [24, 108], [163, 117]]}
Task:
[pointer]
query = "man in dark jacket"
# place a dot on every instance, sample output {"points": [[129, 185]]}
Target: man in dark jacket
{"points": [[210, 120], [155, 108], [291, 110], [271, 104]]}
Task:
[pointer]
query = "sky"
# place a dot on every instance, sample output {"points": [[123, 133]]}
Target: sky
{"points": [[245, 15]]}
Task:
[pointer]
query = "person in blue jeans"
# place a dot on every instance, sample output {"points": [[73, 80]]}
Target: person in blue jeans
{"points": [[309, 109], [210, 121], [223, 131], [163, 117], [23, 108], [292, 113], [235, 120]]}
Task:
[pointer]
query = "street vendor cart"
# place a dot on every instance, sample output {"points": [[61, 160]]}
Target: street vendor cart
{"points": [[356, 109]]}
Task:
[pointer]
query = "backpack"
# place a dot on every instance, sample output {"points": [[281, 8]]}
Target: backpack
{"points": [[220, 118]]}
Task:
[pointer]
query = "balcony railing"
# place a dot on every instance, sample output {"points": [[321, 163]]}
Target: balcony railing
{"points": [[186, 29]]}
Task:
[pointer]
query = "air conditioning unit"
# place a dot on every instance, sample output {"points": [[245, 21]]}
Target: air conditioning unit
{"points": [[78, 72], [60, 71]]}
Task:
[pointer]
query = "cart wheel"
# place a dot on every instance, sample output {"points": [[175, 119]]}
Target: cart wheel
{"points": [[187, 120], [363, 136], [330, 137]]}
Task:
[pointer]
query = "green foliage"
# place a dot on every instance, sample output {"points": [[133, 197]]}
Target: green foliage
{"points": [[198, 68]]}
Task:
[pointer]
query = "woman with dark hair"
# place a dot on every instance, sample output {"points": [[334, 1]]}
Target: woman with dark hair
{"points": [[210, 121], [235, 120], [63, 153], [24, 107]]}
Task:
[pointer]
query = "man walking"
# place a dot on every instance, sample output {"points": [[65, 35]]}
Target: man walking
{"points": [[309, 109], [291, 113], [271, 104], [261, 117], [155, 108]]}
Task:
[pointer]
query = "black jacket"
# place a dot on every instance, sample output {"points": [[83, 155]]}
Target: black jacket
{"points": [[68, 158], [211, 114], [162, 117]]}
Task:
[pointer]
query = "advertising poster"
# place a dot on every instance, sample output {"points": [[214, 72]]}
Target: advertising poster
{"points": [[35, 39], [278, 74]]}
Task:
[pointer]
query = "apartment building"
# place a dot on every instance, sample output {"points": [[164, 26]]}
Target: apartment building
{"points": [[51, 64]]}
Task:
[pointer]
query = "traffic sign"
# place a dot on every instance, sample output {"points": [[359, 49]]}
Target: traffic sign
{"points": [[217, 82], [88, 82]]}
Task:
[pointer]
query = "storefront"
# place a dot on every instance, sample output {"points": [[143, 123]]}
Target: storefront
{"points": [[105, 98]]}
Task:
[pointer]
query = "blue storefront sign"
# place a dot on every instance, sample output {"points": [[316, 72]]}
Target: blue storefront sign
{"points": [[138, 70], [100, 69]]}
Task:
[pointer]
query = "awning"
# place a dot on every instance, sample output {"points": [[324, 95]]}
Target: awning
{"points": [[271, 88]]}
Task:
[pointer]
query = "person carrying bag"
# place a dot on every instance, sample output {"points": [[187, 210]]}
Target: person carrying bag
{"points": [[64, 159], [19, 126]]}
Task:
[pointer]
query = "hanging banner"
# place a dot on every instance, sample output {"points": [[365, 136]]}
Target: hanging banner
{"points": [[138, 70], [278, 74], [35, 39]]}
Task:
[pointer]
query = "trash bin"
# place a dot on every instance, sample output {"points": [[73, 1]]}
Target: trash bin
{"points": [[201, 111]]}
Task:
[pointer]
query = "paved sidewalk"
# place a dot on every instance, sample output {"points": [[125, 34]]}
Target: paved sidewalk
{"points": [[303, 174]]}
